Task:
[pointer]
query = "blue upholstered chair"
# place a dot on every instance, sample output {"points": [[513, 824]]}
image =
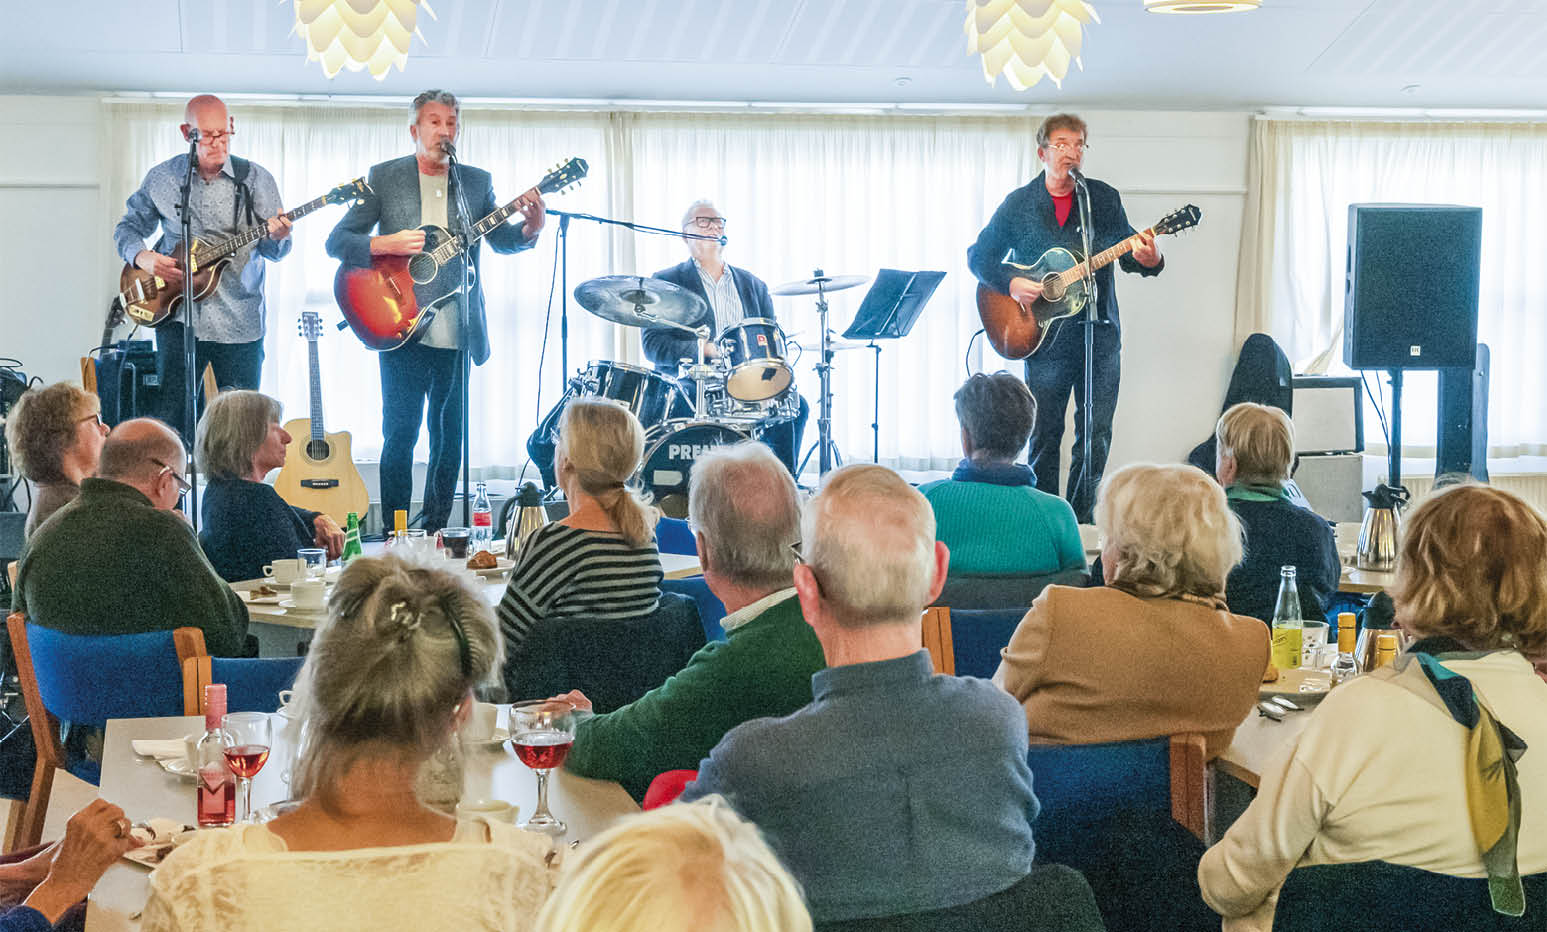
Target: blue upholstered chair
{"points": [[711, 611], [252, 683], [1052, 898], [672, 535], [1375, 896], [1134, 818], [995, 591], [967, 643], [87, 680]]}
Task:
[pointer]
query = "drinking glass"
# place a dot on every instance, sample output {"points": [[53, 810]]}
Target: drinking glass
{"points": [[413, 541], [455, 539], [315, 561], [542, 732], [249, 735], [1313, 637]]}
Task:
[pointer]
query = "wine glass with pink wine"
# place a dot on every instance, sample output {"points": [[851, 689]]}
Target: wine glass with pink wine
{"points": [[542, 732], [249, 735]]}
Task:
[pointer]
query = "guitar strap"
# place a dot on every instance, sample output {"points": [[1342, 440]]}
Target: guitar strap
{"points": [[240, 168]]}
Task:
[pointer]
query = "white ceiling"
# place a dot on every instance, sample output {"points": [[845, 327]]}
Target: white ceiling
{"points": [[1359, 53]]}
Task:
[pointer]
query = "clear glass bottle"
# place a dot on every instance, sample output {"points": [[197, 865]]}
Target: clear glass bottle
{"points": [[1385, 649], [1288, 626], [216, 788], [1346, 666], [483, 520]]}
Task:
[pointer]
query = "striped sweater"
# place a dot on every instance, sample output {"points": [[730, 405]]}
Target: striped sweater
{"points": [[564, 572]]}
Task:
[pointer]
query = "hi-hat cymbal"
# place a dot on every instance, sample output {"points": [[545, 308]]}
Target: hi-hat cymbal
{"points": [[822, 283], [638, 301]]}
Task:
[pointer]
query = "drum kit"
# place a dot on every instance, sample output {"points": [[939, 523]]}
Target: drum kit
{"points": [[741, 393]]}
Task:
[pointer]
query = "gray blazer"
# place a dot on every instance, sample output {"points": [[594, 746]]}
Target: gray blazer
{"points": [[394, 206]]}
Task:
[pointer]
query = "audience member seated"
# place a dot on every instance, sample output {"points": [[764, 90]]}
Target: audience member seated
{"points": [[600, 561], [1154, 651], [245, 523], [120, 560], [1256, 445], [55, 436], [689, 866], [990, 513], [57, 878], [1407, 764], [385, 684], [895, 791], [746, 514]]}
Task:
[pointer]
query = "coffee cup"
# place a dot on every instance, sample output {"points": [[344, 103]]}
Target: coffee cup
{"points": [[309, 594], [284, 572], [481, 719], [491, 810]]}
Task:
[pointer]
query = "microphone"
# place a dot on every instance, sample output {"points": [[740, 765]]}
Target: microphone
{"points": [[724, 239], [1075, 173], [193, 134], [448, 148]]}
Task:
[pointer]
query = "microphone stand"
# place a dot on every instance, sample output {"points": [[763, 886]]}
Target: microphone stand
{"points": [[190, 330], [464, 326], [565, 216], [1087, 495]]}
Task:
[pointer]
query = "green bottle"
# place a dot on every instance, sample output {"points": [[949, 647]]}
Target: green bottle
{"points": [[351, 539]]}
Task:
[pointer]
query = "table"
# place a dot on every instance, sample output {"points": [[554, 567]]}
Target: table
{"points": [[144, 790], [1256, 741]]}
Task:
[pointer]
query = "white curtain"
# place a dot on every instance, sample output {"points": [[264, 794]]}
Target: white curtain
{"points": [[847, 194], [1302, 177]]}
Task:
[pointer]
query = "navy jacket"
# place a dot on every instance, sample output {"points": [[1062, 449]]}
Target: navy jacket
{"points": [[1026, 225], [664, 346], [246, 524], [1280, 534], [393, 205]]}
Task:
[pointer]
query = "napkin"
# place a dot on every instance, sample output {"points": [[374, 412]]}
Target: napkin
{"points": [[146, 747]]}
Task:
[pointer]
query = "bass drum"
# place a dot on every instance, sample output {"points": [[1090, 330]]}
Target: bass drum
{"points": [[670, 451]]}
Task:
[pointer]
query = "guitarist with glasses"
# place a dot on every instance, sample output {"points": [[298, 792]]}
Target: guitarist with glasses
{"points": [[228, 195], [1033, 219], [421, 374]]}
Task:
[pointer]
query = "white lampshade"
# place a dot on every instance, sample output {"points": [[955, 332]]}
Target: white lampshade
{"points": [[359, 35], [1200, 6], [1026, 40]]}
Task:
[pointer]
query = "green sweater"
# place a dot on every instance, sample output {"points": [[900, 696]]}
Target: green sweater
{"points": [[763, 668], [1004, 529], [112, 563]]}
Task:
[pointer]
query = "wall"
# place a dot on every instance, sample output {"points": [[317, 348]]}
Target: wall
{"points": [[58, 263]]}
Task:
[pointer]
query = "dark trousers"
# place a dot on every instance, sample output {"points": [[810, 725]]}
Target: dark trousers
{"points": [[1051, 375], [784, 438], [415, 378], [236, 365]]}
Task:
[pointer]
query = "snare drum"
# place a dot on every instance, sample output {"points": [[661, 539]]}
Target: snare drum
{"points": [[647, 393], [754, 352], [670, 451]]}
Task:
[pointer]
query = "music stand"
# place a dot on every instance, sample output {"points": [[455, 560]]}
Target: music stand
{"points": [[891, 307]]}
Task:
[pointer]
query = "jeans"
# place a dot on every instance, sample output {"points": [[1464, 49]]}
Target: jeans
{"points": [[415, 378], [1051, 375], [236, 365]]}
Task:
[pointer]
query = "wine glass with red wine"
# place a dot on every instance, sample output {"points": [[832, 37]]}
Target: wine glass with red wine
{"points": [[249, 735], [542, 732]]}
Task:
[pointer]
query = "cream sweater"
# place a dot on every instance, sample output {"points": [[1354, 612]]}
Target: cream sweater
{"points": [[1377, 775]]}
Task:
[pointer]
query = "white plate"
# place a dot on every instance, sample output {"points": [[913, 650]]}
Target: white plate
{"points": [[500, 568], [1300, 686], [179, 767], [252, 598], [290, 604], [498, 737]]}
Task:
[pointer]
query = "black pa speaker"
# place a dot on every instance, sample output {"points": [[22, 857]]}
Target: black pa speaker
{"points": [[1462, 437], [1410, 296]]}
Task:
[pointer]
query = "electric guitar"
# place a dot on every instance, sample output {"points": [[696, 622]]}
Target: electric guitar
{"points": [[319, 473], [1016, 331], [390, 302], [149, 300]]}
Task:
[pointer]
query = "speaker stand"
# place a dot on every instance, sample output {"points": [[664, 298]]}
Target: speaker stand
{"points": [[1394, 454]]}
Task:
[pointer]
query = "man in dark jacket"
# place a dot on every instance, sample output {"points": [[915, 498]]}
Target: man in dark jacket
{"points": [[1032, 220], [731, 295]]}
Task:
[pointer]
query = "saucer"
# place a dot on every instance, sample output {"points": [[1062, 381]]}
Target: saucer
{"points": [[496, 738], [290, 605], [500, 568], [179, 767]]}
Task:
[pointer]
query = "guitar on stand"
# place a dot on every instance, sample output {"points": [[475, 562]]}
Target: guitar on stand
{"points": [[320, 474], [388, 302], [148, 300], [1017, 332]]}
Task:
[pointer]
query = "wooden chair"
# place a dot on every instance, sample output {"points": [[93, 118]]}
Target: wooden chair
{"points": [[87, 680], [966, 642], [210, 388], [937, 639], [253, 684]]}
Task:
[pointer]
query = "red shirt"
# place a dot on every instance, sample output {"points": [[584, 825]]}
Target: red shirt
{"points": [[1062, 205]]}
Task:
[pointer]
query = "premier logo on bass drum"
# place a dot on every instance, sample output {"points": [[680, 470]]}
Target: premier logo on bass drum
{"points": [[689, 451]]}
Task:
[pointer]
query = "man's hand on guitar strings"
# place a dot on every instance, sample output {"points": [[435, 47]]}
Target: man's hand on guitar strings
{"points": [[1024, 290]]}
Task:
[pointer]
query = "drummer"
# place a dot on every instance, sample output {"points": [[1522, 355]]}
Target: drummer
{"points": [[732, 295]]}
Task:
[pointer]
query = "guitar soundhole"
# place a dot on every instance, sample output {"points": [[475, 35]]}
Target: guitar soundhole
{"points": [[422, 268], [317, 449], [1052, 289]]}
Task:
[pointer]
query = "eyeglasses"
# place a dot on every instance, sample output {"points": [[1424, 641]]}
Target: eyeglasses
{"points": [[90, 417], [1066, 148], [221, 136], [183, 485], [799, 559], [709, 223]]}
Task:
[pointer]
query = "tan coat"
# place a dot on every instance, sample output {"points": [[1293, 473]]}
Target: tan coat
{"points": [[1097, 665]]}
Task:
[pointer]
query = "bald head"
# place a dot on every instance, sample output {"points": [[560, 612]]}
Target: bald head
{"points": [[205, 106], [744, 503], [137, 450], [207, 114], [869, 539]]}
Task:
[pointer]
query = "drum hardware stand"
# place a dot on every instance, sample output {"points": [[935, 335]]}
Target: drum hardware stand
{"points": [[700, 370], [828, 457], [888, 312]]}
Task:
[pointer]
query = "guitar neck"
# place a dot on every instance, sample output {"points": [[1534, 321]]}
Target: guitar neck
{"points": [[1103, 258], [314, 374], [253, 233], [443, 253]]}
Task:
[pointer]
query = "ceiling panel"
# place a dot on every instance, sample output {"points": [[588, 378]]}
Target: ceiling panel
{"points": [[92, 25]]}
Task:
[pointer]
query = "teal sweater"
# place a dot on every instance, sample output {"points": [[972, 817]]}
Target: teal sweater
{"points": [[763, 668], [1004, 528]]}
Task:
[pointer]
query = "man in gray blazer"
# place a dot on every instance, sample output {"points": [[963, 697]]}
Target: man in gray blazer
{"points": [[410, 192]]}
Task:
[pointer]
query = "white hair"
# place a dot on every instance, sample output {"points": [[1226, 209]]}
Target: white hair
{"points": [[744, 502], [869, 537], [687, 217], [1170, 529]]}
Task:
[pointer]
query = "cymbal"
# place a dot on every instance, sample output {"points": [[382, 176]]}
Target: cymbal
{"points": [[821, 282], [638, 301], [838, 346]]}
